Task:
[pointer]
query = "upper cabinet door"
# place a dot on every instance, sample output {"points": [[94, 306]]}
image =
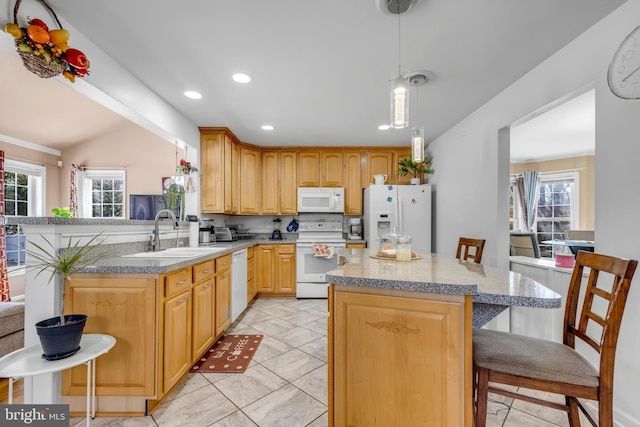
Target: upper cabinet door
{"points": [[309, 169], [270, 175], [288, 184], [352, 184], [331, 169], [249, 181], [380, 163], [212, 167]]}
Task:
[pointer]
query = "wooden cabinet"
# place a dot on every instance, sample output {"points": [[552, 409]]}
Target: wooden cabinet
{"points": [[235, 176], [204, 307], [177, 338], [286, 269], [399, 360], [331, 163], [280, 190], [352, 183], [265, 262], [251, 283], [250, 163], [380, 162], [125, 307], [212, 181], [223, 293], [276, 270], [270, 175], [360, 245], [288, 183], [309, 169], [219, 168]]}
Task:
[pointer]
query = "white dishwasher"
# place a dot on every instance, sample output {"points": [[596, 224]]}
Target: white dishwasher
{"points": [[238, 283]]}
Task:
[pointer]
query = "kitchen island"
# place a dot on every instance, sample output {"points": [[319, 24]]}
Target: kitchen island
{"points": [[399, 336]]}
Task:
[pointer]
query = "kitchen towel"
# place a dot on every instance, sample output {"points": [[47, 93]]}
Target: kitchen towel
{"points": [[324, 250]]}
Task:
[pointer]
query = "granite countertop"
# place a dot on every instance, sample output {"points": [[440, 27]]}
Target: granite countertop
{"points": [[443, 274], [120, 264]]}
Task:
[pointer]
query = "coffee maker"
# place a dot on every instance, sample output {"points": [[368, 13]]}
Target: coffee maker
{"points": [[355, 229], [207, 232]]}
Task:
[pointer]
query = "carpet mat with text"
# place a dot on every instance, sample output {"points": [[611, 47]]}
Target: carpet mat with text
{"points": [[231, 353]]}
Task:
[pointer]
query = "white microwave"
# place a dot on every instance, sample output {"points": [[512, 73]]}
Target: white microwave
{"points": [[320, 199]]}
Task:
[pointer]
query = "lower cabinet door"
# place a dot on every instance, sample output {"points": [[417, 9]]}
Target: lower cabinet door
{"points": [[177, 338], [223, 302], [204, 316]]}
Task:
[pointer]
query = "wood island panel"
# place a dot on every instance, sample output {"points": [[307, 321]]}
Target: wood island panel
{"points": [[399, 360]]}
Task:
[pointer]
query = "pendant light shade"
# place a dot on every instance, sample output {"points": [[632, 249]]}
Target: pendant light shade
{"points": [[417, 144], [399, 102]]}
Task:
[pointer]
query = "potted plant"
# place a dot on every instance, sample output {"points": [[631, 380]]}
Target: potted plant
{"points": [[60, 335], [406, 166]]}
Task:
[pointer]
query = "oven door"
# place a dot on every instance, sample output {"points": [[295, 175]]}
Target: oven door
{"points": [[313, 269]]}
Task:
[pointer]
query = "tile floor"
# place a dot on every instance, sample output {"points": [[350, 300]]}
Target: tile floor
{"points": [[286, 382]]}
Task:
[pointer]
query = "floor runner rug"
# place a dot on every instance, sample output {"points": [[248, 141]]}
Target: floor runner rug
{"points": [[231, 353]]}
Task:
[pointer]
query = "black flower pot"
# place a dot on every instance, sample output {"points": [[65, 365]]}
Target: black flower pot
{"points": [[60, 341]]}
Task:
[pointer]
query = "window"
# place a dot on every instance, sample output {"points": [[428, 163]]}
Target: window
{"points": [[103, 194], [557, 208], [23, 196]]}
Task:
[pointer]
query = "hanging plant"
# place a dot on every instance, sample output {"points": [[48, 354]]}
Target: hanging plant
{"points": [[45, 52]]}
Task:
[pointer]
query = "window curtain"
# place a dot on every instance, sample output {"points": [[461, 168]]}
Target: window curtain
{"points": [[75, 176], [528, 188], [4, 275]]}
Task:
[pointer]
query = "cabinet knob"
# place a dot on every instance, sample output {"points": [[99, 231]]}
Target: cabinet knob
{"points": [[182, 282], [180, 301], [208, 286]]}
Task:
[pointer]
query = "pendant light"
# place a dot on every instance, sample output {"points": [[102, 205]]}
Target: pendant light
{"points": [[399, 85], [417, 79]]}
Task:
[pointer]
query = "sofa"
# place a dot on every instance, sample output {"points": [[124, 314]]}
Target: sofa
{"points": [[11, 327]]}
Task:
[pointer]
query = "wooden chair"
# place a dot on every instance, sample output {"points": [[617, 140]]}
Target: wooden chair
{"points": [[467, 243], [520, 361]]}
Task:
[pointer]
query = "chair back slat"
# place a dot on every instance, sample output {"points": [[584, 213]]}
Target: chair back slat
{"points": [[466, 244], [586, 338], [622, 271]]}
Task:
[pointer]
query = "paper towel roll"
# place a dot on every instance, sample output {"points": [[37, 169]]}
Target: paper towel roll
{"points": [[194, 230]]}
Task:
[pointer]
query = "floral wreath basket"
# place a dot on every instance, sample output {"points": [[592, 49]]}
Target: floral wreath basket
{"points": [[46, 53]]}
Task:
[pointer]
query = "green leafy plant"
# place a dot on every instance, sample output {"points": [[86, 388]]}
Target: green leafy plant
{"points": [[406, 166], [65, 262], [62, 212]]}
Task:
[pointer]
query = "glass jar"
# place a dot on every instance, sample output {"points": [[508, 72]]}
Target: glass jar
{"points": [[388, 243], [403, 248]]}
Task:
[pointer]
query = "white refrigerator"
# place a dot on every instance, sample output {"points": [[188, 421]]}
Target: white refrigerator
{"points": [[404, 208]]}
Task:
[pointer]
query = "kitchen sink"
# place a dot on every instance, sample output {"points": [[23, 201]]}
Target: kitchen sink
{"points": [[176, 253]]}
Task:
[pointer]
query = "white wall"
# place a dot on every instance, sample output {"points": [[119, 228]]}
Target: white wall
{"points": [[470, 180], [109, 83]]}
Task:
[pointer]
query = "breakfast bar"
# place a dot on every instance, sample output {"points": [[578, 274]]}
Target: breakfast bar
{"points": [[399, 335]]}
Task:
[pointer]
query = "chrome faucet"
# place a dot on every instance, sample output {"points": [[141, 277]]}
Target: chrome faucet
{"points": [[154, 240]]}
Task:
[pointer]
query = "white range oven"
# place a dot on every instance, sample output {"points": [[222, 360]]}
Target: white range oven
{"points": [[311, 269]]}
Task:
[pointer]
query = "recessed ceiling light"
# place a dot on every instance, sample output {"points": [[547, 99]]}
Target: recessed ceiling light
{"points": [[384, 127], [192, 94], [267, 127], [241, 78]]}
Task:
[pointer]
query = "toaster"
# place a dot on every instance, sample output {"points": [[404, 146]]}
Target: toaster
{"points": [[225, 234]]}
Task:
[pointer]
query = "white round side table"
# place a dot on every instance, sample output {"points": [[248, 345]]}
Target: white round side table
{"points": [[28, 361]]}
